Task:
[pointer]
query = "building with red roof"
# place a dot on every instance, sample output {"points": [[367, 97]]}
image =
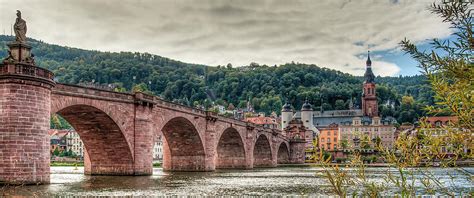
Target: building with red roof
{"points": [[266, 122]]}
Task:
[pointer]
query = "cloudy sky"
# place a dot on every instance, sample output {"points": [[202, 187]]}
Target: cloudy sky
{"points": [[330, 33]]}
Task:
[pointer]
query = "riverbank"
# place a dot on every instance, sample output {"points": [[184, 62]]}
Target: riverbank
{"points": [[80, 164], [66, 164], [262, 182], [340, 164], [458, 164]]}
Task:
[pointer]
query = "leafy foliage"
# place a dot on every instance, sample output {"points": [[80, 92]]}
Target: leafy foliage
{"points": [[449, 69], [268, 87]]}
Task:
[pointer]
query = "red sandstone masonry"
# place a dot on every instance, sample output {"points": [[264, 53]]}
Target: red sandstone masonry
{"points": [[262, 152], [230, 150], [24, 122], [283, 154], [143, 140], [118, 128]]}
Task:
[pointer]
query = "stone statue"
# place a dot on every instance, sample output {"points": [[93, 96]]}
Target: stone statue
{"points": [[20, 28]]}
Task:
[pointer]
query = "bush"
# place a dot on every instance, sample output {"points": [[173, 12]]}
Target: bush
{"points": [[341, 160], [66, 164]]}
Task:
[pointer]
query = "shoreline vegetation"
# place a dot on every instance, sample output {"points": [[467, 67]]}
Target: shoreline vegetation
{"points": [[448, 66], [81, 164], [458, 164], [158, 164]]}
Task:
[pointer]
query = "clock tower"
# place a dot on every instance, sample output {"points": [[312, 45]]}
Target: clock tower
{"points": [[369, 98]]}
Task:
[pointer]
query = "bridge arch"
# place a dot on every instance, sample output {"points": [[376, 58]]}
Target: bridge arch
{"points": [[231, 150], [262, 152], [183, 148], [107, 151], [283, 155]]}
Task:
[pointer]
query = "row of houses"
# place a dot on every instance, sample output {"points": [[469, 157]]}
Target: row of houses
{"points": [[66, 141], [69, 141]]}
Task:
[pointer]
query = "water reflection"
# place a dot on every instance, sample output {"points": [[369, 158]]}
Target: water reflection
{"points": [[257, 182]]}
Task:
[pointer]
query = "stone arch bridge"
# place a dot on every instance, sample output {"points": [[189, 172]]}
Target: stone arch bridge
{"points": [[118, 129]]}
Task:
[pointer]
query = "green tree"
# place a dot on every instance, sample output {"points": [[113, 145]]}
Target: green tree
{"points": [[142, 87], [407, 102], [56, 152], [344, 144], [449, 65], [71, 153], [365, 142], [340, 105], [58, 122]]}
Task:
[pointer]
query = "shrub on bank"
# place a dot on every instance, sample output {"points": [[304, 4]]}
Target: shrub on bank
{"points": [[66, 164]]}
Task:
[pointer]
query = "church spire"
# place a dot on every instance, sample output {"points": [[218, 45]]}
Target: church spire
{"points": [[369, 98], [369, 75], [368, 63]]}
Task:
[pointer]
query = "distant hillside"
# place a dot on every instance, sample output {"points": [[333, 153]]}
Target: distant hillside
{"points": [[268, 87]]}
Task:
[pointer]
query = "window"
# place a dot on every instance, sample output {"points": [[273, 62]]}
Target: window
{"points": [[335, 133], [335, 140]]}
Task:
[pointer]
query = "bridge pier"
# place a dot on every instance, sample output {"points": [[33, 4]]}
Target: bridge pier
{"points": [[143, 145], [297, 151], [25, 106], [210, 148]]}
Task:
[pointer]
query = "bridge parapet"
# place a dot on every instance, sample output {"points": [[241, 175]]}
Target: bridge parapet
{"points": [[88, 92], [179, 107], [22, 69], [235, 121], [151, 100]]}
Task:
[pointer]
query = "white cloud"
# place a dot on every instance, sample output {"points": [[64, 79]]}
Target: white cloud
{"points": [[327, 33]]}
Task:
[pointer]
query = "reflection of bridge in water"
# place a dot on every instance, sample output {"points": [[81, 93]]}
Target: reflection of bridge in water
{"points": [[118, 129]]}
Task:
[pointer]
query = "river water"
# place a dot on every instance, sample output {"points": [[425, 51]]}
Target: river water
{"points": [[293, 181]]}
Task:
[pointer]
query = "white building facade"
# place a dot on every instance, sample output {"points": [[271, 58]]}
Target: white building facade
{"points": [[74, 143], [158, 149]]}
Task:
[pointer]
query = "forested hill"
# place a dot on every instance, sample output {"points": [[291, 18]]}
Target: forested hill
{"points": [[268, 87]]}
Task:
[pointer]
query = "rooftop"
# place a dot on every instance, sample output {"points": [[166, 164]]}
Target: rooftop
{"points": [[261, 120]]}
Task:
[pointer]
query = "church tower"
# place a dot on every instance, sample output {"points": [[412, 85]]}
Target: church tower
{"points": [[369, 98]]}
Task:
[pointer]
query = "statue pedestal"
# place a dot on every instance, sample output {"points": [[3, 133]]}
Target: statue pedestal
{"points": [[20, 52], [25, 106]]}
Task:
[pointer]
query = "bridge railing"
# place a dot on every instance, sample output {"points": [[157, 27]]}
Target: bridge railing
{"points": [[83, 90], [155, 100], [26, 70], [169, 104]]}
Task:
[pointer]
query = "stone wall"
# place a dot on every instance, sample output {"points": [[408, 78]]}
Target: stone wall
{"points": [[297, 151], [24, 125], [118, 131]]}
